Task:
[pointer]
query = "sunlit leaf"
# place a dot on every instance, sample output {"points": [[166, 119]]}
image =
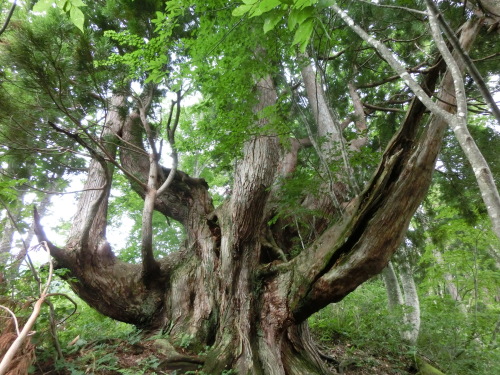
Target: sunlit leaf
{"points": [[77, 17]]}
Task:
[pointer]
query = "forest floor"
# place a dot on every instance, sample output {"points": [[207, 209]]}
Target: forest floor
{"points": [[344, 358], [119, 356]]}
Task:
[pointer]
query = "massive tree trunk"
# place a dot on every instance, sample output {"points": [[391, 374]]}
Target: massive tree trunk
{"points": [[223, 288]]}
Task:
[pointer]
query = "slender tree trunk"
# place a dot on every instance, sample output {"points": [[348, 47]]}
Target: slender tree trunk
{"points": [[329, 141], [458, 124], [411, 302], [6, 239], [394, 295], [408, 298]]}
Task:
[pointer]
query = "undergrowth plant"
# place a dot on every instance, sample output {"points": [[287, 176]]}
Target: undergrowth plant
{"points": [[457, 343]]}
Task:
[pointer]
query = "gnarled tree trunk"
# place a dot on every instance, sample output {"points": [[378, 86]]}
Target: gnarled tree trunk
{"points": [[220, 290]]}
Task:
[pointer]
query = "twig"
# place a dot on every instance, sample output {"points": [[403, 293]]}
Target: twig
{"points": [[16, 324], [9, 355], [7, 20], [395, 7]]}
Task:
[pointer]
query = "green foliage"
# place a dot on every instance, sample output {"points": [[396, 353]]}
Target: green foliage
{"points": [[7, 189], [300, 15], [460, 343], [185, 341], [71, 7], [363, 320]]}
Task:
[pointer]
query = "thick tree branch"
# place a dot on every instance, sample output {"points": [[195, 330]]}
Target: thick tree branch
{"points": [[149, 264], [97, 159], [375, 222]]}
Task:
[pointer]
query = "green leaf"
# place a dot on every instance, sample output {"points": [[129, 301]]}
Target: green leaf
{"points": [[42, 6], [301, 4], [250, 2], [272, 21], [63, 4], [256, 12], [297, 16], [303, 34], [241, 10], [77, 17], [303, 14], [267, 5], [292, 19]]}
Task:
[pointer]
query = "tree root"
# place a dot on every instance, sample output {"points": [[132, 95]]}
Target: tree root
{"points": [[425, 368], [173, 360]]}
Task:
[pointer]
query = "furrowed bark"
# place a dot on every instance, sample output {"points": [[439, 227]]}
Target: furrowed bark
{"points": [[89, 224], [362, 247], [255, 334], [256, 172], [240, 248]]}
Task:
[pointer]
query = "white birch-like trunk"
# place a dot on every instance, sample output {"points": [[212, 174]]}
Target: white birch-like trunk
{"points": [[328, 142], [403, 293], [412, 303], [394, 296]]}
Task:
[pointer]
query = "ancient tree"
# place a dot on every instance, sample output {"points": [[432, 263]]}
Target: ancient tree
{"points": [[248, 273]]}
